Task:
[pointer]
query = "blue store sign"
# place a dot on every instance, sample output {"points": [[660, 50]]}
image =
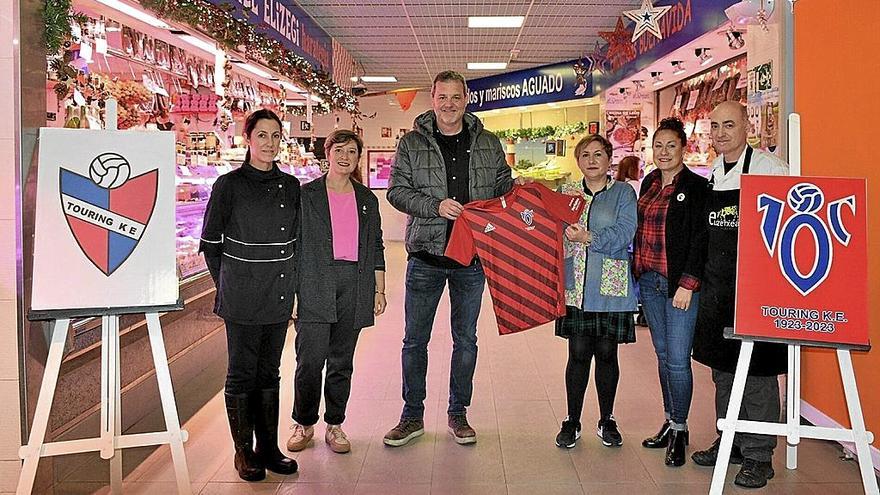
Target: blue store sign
{"points": [[286, 22], [559, 82], [686, 21]]}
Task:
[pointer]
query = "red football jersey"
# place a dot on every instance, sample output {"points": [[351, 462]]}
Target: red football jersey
{"points": [[518, 238]]}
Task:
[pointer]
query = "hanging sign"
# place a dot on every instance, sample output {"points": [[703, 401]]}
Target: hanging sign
{"points": [[802, 267], [558, 82], [105, 222], [285, 21]]}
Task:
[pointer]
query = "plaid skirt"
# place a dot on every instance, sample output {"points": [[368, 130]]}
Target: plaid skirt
{"points": [[618, 327]]}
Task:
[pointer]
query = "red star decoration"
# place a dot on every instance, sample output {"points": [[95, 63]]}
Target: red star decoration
{"points": [[620, 47]]}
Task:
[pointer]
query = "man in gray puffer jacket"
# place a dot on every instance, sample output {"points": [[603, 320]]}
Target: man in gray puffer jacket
{"points": [[447, 160]]}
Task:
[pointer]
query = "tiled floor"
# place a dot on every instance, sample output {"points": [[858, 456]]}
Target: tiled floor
{"points": [[519, 400]]}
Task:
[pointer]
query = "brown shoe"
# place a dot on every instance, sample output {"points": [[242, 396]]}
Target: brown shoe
{"points": [[301, 437], [405, 431], [337, 440], [461, 430]]}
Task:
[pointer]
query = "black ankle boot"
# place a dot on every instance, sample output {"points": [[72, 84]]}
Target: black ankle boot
{"points": [[266, 421], [675, 451], [242, 428], [661, 439]]}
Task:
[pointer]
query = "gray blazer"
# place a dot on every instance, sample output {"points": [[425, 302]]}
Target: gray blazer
{"points": [[317, 290]]}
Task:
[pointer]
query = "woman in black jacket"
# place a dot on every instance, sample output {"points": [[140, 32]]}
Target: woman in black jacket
{"points": [[249, 242], [670, 251], [342, 265]]}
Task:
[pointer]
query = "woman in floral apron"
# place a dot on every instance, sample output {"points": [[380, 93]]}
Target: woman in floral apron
{"points": [[600, 298]]}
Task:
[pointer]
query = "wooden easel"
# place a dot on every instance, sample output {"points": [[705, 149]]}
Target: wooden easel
{"points": [[792, 429], [111, 440]]}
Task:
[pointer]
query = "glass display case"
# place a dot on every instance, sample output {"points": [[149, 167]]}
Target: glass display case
{"points": [[197, 170]]}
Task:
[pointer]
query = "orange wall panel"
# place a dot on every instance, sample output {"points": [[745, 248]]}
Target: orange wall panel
{"points": [[837, 93]]}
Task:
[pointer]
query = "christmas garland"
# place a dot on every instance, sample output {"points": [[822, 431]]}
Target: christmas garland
{"points": [[57, 17]]}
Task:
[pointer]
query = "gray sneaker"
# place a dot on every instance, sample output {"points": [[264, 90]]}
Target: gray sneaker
{"points": [[405, 431]]}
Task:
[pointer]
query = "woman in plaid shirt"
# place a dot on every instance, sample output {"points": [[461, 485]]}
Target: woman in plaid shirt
{"points": [[670, 251]]}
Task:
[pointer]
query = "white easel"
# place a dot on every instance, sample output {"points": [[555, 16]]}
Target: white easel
{"points": [[792, 429], [111, 440]]}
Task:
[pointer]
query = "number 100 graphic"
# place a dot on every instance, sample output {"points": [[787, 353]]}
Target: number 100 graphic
{"points": [[784, 221]]}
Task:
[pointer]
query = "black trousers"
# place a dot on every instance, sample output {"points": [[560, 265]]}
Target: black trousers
{"points": [[331, 344], [254, 356], [581, 351], [760, 403]]}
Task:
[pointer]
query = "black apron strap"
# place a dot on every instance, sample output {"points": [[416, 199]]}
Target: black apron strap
{"points": [[748, 160]]}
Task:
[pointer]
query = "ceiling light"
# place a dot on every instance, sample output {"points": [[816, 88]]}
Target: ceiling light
{"points": [[657, 78], [353, 78], [735, 39], [292, 87], [135, 12], [511, 21], [379, 79], [704, 56], [677, 67], [487, 65], [253, 69], [316, 99], [198, 42], [295, 103]]}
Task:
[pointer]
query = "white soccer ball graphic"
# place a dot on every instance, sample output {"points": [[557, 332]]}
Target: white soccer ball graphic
{"points": [[109, 170], [805, 198]]}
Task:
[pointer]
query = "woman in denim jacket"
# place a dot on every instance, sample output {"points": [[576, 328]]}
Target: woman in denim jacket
{"points": [[600, 298]]}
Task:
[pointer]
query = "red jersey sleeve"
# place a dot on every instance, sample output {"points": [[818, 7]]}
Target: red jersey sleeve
{"points": [[461, 241], [563, 207]]}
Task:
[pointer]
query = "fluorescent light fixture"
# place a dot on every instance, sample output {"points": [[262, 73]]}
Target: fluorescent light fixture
{"points": [[135, 12], [316, 99], [379, 79], [253, 69], [292, 87], [295, 103], [487, 65], [353, 78], [509, 21], [200, 43]]}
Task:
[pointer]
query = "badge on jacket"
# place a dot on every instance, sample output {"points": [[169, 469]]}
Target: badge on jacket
{"points": [[680, 197]]}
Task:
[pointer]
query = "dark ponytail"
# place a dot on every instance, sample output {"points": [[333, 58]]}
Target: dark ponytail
{"points": [[675, 125], [251, 121]]}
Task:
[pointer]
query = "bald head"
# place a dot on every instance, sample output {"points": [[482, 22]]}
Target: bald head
{"points": [[730, 124]]}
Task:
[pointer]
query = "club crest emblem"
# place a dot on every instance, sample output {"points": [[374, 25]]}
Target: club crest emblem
{"points": [[527, 216], [785, 223], [108, 211]]}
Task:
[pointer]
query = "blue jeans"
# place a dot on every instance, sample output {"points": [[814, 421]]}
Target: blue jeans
{"points": [[672, 332], [424, 286]]}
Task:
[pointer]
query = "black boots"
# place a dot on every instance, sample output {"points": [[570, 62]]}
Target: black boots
{"points": [[242, 428], [661, 439], [265, 413], [675, 451]]}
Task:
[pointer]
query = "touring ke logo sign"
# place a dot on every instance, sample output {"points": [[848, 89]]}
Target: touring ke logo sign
{"points": [[108, 211], [781, 226]]}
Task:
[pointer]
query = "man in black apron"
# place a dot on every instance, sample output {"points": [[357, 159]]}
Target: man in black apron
{"points": [[761, 398]]}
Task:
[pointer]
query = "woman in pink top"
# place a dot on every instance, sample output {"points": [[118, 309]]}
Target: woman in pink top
{"points": [[342, 275]]}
